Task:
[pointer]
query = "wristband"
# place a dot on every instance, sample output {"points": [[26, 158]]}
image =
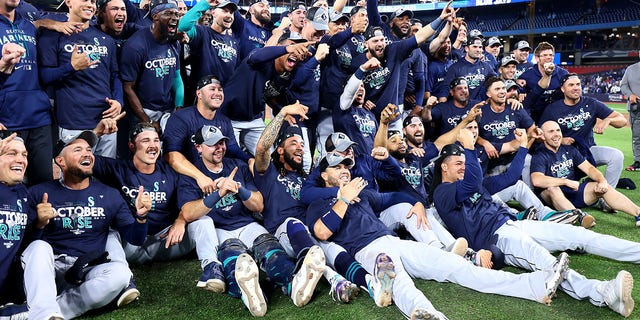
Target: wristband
{"points": [[211, 199], [344, 200], [435, 24], [244, 193], [331, 220]]}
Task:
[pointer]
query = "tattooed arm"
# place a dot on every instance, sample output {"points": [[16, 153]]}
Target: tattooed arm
{"points": [[271, 132]]}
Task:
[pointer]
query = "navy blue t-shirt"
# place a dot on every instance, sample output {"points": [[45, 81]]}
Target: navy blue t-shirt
{"points": [[84, 216], [229, 213], [475, 73], [445, 116], [161, 185], [532, 76], [281, 196], [80, 95], [498, 128], [213, 53], [15, 216], [249, 35], [359, 124], [412, 183], [577, 121], [437, 72], [561, 164], [153, 67], [521, 68], [185, 122]]}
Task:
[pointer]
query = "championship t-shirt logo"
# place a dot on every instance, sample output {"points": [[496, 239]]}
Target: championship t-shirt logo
{"points": [[291, 187]]}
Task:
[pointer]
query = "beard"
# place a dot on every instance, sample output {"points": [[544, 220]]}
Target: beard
{"points": [[398, 155], [396, 30], [79, 173], [292, 163]]}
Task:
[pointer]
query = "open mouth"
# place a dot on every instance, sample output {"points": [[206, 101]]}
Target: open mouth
{"points": [[344, 177], [18, 169], [152, 152], [86, 162], [172, 27], [119, 22], [292, 60]]}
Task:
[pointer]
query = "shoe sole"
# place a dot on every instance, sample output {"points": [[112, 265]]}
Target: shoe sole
{"points": [[559, 270], [246, 275], [460, 247], [385, 273], [346, 293], [422, 314], [215, 285], [127, 297], [626, 287], [588, 221], [308, 276]]}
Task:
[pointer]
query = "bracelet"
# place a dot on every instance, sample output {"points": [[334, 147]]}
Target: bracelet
{"points": [[211, 199], [343, 199]]}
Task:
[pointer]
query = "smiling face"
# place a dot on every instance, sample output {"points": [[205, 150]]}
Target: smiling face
{"points": [[213, 154], [222, 19], [572, 89], [76, 160], [474, 51], [81, 10], [260, 12], [508, 72], [211, 96], [289, 61], [291, 153], [376, 46], [397, 146], [401, 26], [336, 176], [545, 56], [146, 148], [497, 93], [182, 8], [114, 17], [13, 163], [521, 55], [460, 93], [552, 135], [453, 168], [167, 21], [414, 132], [360, 95], [297, 18], [473, 127]]}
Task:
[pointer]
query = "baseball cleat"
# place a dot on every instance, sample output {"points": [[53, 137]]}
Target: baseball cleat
{"points": [[459, 247], [424, 314], [212, 278], [342, 290], [617, 293], [560, 268], [128, 294], [380, 284], [305, 280], [246, 274]]}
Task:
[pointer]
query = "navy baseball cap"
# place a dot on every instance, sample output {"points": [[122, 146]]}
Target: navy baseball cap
{"points": [[475, 33], [475, 40], [338, 141], [356, 9], [456, 82], [333, 159], [507, 60], [157, 6], [291, 35], [298, 6], [286, 132], [373, 32], [209, 135], [252, 2], [412, 118], [207, 80], [493, 41], [337, 16], [508, 84], [451, 150], [401, 12], [86, 135], [227, 3], [567, 77], [6, 133]]}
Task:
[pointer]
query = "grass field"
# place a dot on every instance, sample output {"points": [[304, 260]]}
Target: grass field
{"points": [[168, 289]]}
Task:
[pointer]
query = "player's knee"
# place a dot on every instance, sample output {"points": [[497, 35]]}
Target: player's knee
{"points": [[230, 248]]}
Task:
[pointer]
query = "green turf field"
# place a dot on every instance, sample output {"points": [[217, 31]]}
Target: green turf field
{"points": [[168, 290]]}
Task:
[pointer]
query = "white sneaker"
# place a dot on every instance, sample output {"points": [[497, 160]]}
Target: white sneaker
{"points": [[305, 280], [459, 247], [560, 268], [617, 293], [246, 275], [342, 290], [128, 294], [424, 314], [380, 284]]}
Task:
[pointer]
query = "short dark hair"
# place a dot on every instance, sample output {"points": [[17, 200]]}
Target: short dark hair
{"points": [[490, 81]]}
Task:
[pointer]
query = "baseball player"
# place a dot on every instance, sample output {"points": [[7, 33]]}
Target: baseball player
{"points": [[353, 225], [468, 210], [67, 272]]}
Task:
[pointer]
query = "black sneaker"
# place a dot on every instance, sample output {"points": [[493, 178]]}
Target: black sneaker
{"points": [[634, 167]]}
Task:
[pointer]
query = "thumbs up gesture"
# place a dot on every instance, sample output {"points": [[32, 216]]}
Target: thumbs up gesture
{"points": [[143, 204], [45, 211]]}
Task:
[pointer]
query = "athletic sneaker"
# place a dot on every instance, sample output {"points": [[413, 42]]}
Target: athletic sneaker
{"points": [[305, 280], [459, 247], [637, 221], [530, 213], [566, 217], [246, 275], [212, 278], [617, 293], [423, 314], [586, 220], [604, 206], [634, 166], [560, 268], [128, 294], [342, 290], [380, 284], [12, 311]]}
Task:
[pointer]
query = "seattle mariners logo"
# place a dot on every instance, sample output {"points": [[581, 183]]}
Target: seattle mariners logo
{"points": [[500, 129], [292, 187], [563, 168], [94, 51], [162, 66], [575, 121]]}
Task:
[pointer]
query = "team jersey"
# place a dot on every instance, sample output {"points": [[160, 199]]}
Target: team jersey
{"points": [[24, 105], [228, 213], [84, 217], [467, 208], [577, 121], [184, 123], [161, 185], [499, 127], [437, 72], [281, 195], [359, 124], [15, 216], [475, 73], [360, 225], [561, 164], [412, 182], [445, 116], [521, 68], [543, 96], [249, 35], [79, 95], [153, 67]]}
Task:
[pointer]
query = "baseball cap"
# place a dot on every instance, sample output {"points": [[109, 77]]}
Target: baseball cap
{"points": [[522, 45], [160, 5], [392, 133], [508, 84], [209, 135], [139, 128], [413, 118], [319, 18], [252, 2], [451, 150], [6, 133], [356, 9], [493, 41], [507, 60], [333, 159], [298, 6], [293, 36], [207, 80], [475, 40], [337, 16], [475, 33], [286, 132], [456, 82], [338, 141], [401, 12], [373, 32], [227, 3], [86, 135], [567, 77]]}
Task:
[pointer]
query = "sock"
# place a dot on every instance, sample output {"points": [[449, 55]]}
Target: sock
{"points": [[298, 236], [351, 269]]}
